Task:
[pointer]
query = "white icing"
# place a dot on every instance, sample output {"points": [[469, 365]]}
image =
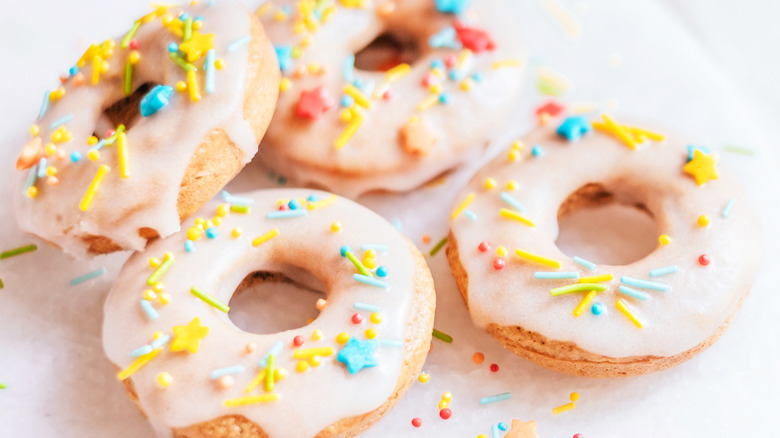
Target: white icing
{"points": [[311, 400], [373, 158], [159, 146], [700, 299]]}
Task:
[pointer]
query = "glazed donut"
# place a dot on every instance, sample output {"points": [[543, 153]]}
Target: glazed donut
{"points": [[168, 150], [343, 371], [352, 128], [577, 317]]}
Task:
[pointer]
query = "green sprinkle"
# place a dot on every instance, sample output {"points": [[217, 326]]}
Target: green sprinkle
{"points": [[128, 88], [738, 149], [239, 208], [3, 386], [438, 246], [129, 35], [1, 283], [162, 269], [358, 264], [181, 62], [442, 336], [208, 299], [577, 287], [187, 29], [17, 251]]}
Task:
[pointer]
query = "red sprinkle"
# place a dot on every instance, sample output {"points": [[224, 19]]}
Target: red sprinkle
{"points": [[450, 61], [416, 422], [499, 263], [133, 44], [494, 368], [387, 95], [298, 341], [578, 435], [476, 40], [552, 108], [445, 413], [357, 318], [284, 207], [484, 247], [110, 133], [427, 80], [704, 260], [313, 103]]}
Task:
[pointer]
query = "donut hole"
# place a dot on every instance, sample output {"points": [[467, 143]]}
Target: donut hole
{"points": [[272, 302], [605, 227], [388, 50], [127, 110]]}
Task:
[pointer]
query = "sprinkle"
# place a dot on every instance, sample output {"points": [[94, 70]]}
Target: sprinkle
{"points": [[596, 279], [438, 246], [149, 310], [738, 149], [181, 62], [141, 351], [265, 237], [727, 209], [644, 284], [375, 247], [208, 65], [304, 353], [93, 186], [564, 17], [371, 281], [208, 299], [237, 44], [269, 372], [236, 200], [348, 69], [428, 102], [243, 209], [573, 128], [512, 62], [42, 165], [531, 257], [397, 72], [577, 287], [620, 131], [543, 275], [160, 270], [127, 87], [61, 121], [88, 276], [563, 408], [367, 307], [1, 283], [597, 309], [442, 336], [136, 365], [390, 343], [657, 272], [122, 153], [159, 342], [252, 399], [274, 350], [18, 251], [494, 431], [584, 303], [192, 85], [470, 214], [495, 398], [463, 205], [506, 197], [358, 95], [187, 29], [633, 293], [129, 35], [314, 205], [260, 377], [586, 264], [623, 307], [282, 214], [356, 121], [358, 264], [44, 105], [511, 214], [188, 337]]}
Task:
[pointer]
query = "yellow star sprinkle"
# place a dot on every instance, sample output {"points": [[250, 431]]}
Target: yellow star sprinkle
{"points": [[189, 336], [703, 167], [197, 45]]}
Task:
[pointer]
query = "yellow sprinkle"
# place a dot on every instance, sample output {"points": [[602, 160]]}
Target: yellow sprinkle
{"points": [[511, 62], [137, 364], [93, 186], [463, 205], [596, 279], [236, 233], [305, 353], [313, 205], [490, 183], [376, 318], [34, 130], [428, 102], [223, 210], [501, 251], [644, 132], [356, 120], [463, 58], [531, 257], [513, 155], [285, 84], [194, 233], [219, 64], [512, 185], [92, 140], [181, 86], [122, 152], [584, 303], [316, 335], [51, 149], [371, 333], [703, 221], [664, 239], [252, 399], [164, 380], [511, 214], [424, 377], [619, 131], [467, 84], [192, 85], [262, 9], [397, 72], [302, 366], [57, 94], [444, 404], [342, 338], [32, 191], [358, 95], [265, 237], [97, 66], [149, 295], [51, 170], [563, 408], [154, 262], [134, 57], [623, 307], [335, 226]]}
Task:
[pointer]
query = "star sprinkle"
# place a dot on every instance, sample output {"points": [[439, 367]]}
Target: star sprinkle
{"points": [[417, 138], [452, 6], [476, 40], [357, 355], [197, 45], [155, 99], [574, 127], [284, 54], [189, 336], [521, 429], [314, 103], [703, 167]]}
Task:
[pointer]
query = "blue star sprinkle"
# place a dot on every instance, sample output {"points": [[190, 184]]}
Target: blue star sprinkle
{"points": [[357, 355]]}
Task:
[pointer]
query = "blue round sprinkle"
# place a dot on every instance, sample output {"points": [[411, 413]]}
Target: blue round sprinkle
{"points": [[358, 83], [502, 426], [477, 77], [189, 245], [347, 101], [73, 70], [437, 63], [444, 98], [75, 156], [183, 16], [597, 308], [381, 271], [211, 232], [537, 151], [286, 9], [294, 204], [173, 47], [312, 198], [344, 250], [199, 18]]}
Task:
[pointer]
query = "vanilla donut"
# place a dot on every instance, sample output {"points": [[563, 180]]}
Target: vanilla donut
{"points": [[574, 316], [352, 130], [343, 371], [186, 94]]}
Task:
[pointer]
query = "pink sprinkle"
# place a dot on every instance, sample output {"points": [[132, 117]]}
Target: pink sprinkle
{"points": [[387, 95], [450, 61], [428, 80], [499, 263]]}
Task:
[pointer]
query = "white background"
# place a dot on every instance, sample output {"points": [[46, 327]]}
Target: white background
{"points": [[703, 68]]}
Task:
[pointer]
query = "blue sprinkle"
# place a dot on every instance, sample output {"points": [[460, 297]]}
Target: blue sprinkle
{"points": [[582, 262], [184, 16], [344, 250], [358, 354], [494, 431], [286, 9], [452, 6], [275, 349], [150, 311], [61, 121], [159, 342], [75, 156], [236, 200], [544, 275], [446, 37], [189, 245], [537, 151], [199, 18], [477, 77], [155, 99], [597, 308], [211, 232], [692, 148], [237, 44], [502, 426], [284, 54], [437, 63], [470, 214], [294, 204], [367, 307], [32, 176], [506, 197], [347, 101], [644, 284], [348, 69], [574, 127], [44, 105], [173, 47], [381, 271], [398, 225], [73, 70], [390, 343], [633, 293], [88, 276], [42, 167], [312, 198], [282, 214], [235, 369], [211, 75], [444, 98], [663, 271], [358, 83], [727, 209], [495, 398], [138, 352], [375, 247], [371, 281]]}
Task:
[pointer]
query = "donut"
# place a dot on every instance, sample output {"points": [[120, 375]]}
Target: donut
{"points": [[166, 324], [569, 314], [145, 129], [437, 79]]}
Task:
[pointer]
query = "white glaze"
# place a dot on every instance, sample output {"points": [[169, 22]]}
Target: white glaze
{"points": [[311, 400], [159, 146], [374, 159], [701, 298]]}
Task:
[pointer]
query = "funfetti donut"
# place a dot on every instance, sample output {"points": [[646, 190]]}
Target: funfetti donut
{"points": [[196, 374], [143, 130], [437, 81], [566, 312]]}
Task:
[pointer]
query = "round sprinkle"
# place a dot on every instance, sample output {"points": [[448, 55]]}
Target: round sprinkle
{"points": [[165, 298], [574, 396], [280, 373], [478, 358], [376, 317], [501, 251], [298, 341], [189, 245], [294, 204], [664, 239], [157, 335], [490, 183], [133, 45], [357, 318], [445, 414], [321, 303], [335, 226], [703, 221], [154, 262], [134, 57], [149, 295], [92, 140], [502, 426], [704, 260], [75, 156], [219, 63], [537, 151], [93, 155], [316, 335], [194, 233], [494, 368], [426, 238], [181, 86], [344, 249], [226, 382], [315, 361], [371, 333], [158, 287], [172, 47], [597, 308], [578, 435], [499, 263], [342, 338], [301, 366], [164, 380], [484, 246], [424, 377], [250, 348], [236, 233], [447, 396], [211, 232], [512, 185], [444, 404], [223, 210], [513, 155], [482, 435], [381, 271], [416, 422]]}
